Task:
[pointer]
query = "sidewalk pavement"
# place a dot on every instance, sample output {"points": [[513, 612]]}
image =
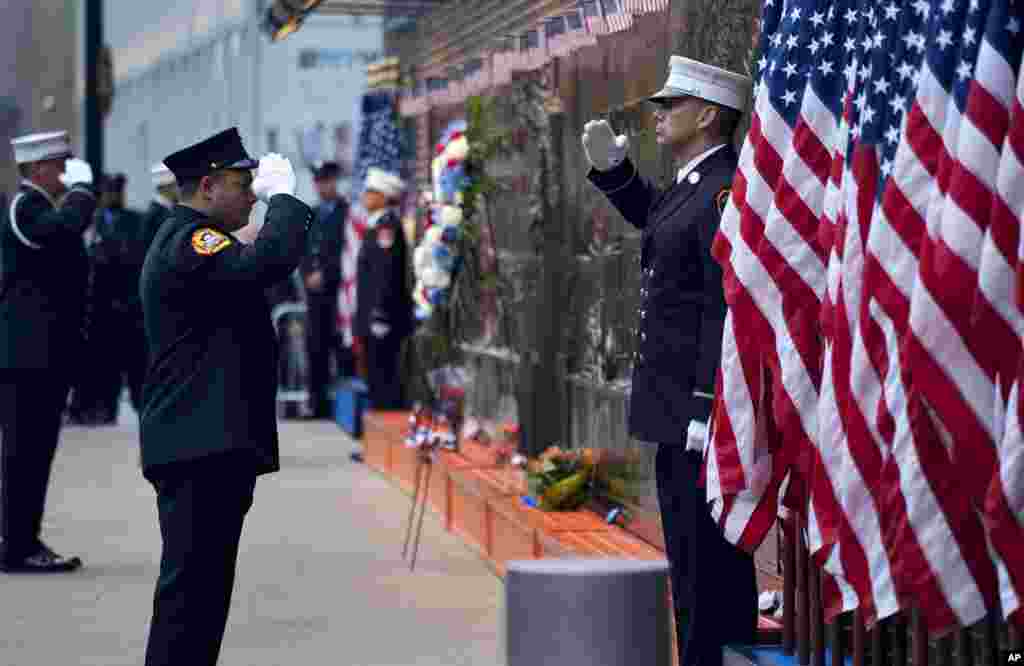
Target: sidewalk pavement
{"points": [[320, 578]]}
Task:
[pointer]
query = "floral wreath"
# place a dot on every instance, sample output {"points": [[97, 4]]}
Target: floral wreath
{"points": [[437, 260]]}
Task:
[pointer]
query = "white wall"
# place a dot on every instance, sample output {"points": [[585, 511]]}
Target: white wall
{"points": [[236, 76]]}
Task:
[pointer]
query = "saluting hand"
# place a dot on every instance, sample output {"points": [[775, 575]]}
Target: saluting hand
{"points": [[273, 176], [604, 150], [76, 172]]}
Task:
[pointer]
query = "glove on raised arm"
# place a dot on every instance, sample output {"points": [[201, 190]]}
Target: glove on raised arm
{"points": [[604, 150]]}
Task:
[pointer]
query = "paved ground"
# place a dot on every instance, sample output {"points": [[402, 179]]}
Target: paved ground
{"points": [[320, 581]]}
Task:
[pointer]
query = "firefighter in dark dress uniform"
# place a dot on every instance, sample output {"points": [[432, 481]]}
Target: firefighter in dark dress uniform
{"points": [[117, 247], [321, 276], [209, 427], [679, 336], [383, 298], [43, 278]]}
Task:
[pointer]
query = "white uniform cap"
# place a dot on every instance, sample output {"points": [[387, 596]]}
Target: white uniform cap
{"points": [[388, 184], [41, 146], [688, 77], [162, 175]]}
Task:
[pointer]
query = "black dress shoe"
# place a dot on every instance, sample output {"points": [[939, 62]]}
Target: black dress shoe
{"points": [[43, 560]]}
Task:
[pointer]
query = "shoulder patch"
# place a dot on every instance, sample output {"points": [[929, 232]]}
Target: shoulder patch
{"points": [[208, 241], [722, 199]]}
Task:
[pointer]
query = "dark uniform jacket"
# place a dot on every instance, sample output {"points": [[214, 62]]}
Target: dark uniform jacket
{"points": [[682, 304], [43, 278], [212, 380], [326, 241], [118, 249], [153, 218], [382, 291]]}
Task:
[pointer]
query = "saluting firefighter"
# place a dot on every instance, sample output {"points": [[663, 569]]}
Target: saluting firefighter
{"points": [[321, 275], [682, 312], [383, 298], [42, 310], [209, 427]]}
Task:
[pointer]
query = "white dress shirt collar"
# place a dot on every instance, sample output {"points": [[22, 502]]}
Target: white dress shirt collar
{"points": [[374, 217], [696, 161]]}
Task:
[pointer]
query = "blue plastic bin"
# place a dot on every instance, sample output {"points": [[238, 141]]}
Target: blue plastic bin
{"points": [[350, 400]]}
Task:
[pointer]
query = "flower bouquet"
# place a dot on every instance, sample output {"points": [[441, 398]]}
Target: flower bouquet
{"points": [[561, 480]]}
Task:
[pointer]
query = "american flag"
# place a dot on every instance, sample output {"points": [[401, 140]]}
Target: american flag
{"points": [[533, 49], [879, 187], [638, 7], [997, 315], [477, 76], [380, 145], [414, 101], [579, 33], [593, 14], [437, 90], [556, 36], [457, 92], [964, 125], [1001, 268], [617, 18], [501, 60]]}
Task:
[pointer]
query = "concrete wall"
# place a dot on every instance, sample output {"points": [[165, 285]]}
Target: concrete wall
{"points": [[39, 59]]}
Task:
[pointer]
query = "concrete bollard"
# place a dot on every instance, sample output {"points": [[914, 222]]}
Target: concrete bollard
{"points": [[587, 612]]}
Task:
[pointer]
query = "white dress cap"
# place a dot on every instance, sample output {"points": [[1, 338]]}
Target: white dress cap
{"points": [[162, 176], [689, 77], [41, 146], [388, 184]]}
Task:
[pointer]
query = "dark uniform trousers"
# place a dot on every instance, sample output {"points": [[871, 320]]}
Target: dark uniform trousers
{"points": [[711, 578], [31, 409], [326, 243], [44, 269], [323, 342], [383, 380], [202, 505], [383, 297], [679, 337]]}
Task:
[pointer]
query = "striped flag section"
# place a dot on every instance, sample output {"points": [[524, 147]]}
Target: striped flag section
{"points": [[616, 18], [593, 15], [998, 312], [871, 359], [639, 7]]}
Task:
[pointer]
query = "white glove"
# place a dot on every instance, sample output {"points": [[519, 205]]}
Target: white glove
{"points": [[379, 329], [697, 437], [76, 171], [604, 150], [273, 176]]}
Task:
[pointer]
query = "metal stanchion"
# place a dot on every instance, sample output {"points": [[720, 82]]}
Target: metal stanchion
{"points": [[421, 489], [582, 612]]}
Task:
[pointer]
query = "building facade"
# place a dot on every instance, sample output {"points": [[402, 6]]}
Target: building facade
{"points": [[41, 73], [298, 97]]}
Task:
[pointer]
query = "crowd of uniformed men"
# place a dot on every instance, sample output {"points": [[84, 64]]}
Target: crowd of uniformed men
{"points": [[176, 305]]}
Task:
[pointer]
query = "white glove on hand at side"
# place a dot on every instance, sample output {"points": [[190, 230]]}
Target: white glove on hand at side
{"points": [[604, 150], [273, 176], [76, 171], [379, 329]]}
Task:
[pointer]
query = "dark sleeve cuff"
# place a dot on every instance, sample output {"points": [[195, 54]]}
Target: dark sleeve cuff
{"points": [[615, 178]]}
